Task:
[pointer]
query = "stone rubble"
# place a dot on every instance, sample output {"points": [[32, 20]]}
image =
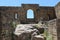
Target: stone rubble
{"points": [[23, 29], [26, 32]]}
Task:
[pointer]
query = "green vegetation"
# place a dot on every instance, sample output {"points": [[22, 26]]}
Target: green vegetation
{"points": [[46, 34], [13, 24]]}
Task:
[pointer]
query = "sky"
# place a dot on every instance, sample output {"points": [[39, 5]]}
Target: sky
{"points": [[19, 2]]}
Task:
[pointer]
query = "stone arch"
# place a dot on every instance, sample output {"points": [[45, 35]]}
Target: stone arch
{"points": [[30, 14]]}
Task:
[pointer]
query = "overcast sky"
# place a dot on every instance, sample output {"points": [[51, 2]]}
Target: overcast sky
{"points": [[19, 2]]}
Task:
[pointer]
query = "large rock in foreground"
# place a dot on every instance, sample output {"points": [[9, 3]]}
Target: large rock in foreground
{"points": [[26, 32], [38, 37]]}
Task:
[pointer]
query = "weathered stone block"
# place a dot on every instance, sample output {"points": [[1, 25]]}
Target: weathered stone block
{"points": [[57, 10], [38, 37]]}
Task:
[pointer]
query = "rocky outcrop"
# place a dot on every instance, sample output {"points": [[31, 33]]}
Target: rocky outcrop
{"points": [[27, 32], [52, 29]]}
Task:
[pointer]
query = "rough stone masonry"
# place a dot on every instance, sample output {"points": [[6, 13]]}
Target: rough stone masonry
{"points": [[7, 17]]}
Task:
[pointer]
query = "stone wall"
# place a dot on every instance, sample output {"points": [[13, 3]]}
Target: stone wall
{"points": [[52, 29], [47, 13], [7, 16], [57, 10], [58, 28], [0, 27]]}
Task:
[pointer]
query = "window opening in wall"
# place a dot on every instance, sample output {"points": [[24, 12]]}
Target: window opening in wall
{"points": [[16, 15], [30, 14]]}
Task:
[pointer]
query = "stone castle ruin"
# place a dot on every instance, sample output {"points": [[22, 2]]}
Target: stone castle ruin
{"points": [[18, 15]]}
